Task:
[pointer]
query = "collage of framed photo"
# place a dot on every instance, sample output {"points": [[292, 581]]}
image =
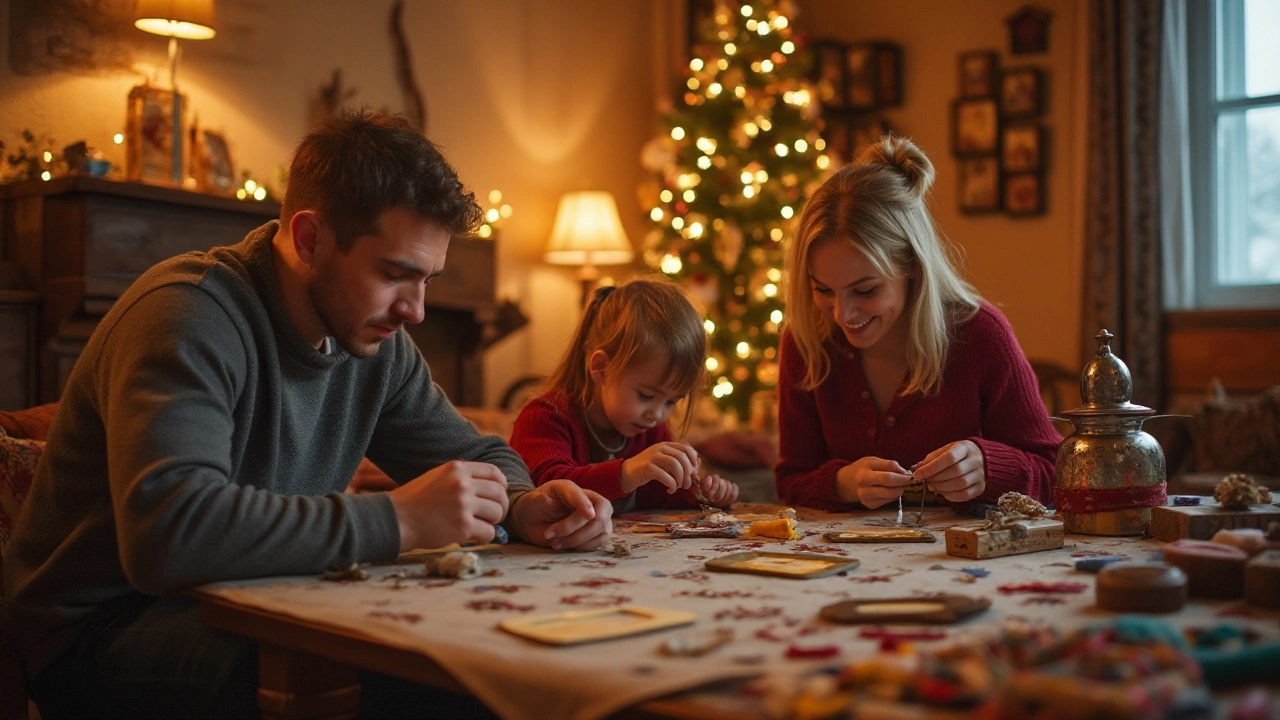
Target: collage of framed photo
{"points": [[1001, 148], [149, 134], [857, 76], [212, 166]]}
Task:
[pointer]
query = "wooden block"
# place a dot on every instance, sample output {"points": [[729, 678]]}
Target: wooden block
{"points": [[1200, 522], [1214, 570], [975, 541], [1262, 580], [1146, 587]]}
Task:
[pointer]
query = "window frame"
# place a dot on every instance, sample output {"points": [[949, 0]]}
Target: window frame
{"points": [[1204, 76]]}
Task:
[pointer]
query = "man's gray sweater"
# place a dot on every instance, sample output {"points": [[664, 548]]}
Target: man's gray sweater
{"points": [[201, 438]]}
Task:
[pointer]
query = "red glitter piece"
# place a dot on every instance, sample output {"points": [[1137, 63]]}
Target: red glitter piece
{"points": [[597, 582], [741, 613], [595, 600], [795, 652], [1043, 587], [481, 605], [411, 618]]}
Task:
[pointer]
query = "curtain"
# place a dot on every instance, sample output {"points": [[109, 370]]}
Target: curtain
{"points": [[1122, 283], [1176, 228]]}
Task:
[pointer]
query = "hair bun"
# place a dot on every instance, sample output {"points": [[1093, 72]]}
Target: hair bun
{"points": [[903, 155]]}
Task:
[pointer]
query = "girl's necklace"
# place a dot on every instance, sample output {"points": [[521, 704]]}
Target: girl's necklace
{"points": [[612, 451]]}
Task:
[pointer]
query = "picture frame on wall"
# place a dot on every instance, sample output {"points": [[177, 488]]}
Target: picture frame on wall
{"points": [[861, 76], [214, 171], [149, 134], [1024, 194], [888, 75], [839, 141], [975, 125], [1028, 30], [979, 185], [1022, 147], [1021, 92], [978, 72], [829, 73]]}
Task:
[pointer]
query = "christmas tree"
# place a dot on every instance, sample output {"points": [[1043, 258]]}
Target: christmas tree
{"points": [[735, 163]]}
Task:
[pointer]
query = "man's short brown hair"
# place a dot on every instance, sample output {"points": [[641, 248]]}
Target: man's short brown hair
{"points": [[358, 164]]}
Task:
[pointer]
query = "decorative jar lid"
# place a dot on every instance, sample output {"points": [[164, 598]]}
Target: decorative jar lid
{"points": [[1106, 386]]}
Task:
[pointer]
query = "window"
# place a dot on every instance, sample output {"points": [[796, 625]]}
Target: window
{"points": [[1233, 57]]}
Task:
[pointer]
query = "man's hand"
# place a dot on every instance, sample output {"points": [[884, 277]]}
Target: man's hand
{"points": [[456, 502], [562, 516], [871, 481]]}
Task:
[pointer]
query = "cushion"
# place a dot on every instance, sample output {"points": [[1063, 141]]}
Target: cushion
{"points": [[30, 423], [1237, 435], [18, 459]]}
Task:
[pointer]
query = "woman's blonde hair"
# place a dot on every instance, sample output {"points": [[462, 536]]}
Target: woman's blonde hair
{"points": [[877, 205], [631, 323]]}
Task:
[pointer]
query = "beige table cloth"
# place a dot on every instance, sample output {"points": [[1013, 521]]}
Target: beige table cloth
{"points": [[456, 623]]}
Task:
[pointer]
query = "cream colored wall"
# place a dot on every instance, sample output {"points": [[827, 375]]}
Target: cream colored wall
{"points": [[1029, 267], [532, 98]]}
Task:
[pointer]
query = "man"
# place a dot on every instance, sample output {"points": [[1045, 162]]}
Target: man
{"points": [[217, 413]]}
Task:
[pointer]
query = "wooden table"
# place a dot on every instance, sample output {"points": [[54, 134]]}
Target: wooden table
{"points": [[309, 659]]}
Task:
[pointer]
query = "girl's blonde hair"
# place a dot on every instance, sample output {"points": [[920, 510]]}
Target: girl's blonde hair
{"points": [[632, 323], [877, 206]]}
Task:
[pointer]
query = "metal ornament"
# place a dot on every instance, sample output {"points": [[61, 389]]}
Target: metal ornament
{"points": [[1109, 472]]}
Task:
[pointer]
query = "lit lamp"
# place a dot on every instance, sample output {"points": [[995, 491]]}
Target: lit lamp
{"points": [[174, 19], [588, 233]]}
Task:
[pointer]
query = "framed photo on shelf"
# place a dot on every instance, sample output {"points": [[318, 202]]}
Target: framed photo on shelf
{"points": [[1021, 92], [1024, 194], [978, 74], [213, 168], [861, 75], [979, 185], [149, 134], [888, 75], [975, 125], [828, 73], [1021, 147]]}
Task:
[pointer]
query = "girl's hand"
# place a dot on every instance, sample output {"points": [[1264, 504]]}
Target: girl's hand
{"points": [[957, 472], [673, 464], [718, 491], [871, 481]]}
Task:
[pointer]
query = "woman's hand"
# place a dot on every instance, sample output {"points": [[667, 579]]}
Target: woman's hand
{"points": [[957, 472], [718, 491], [871, 481], [673, 464]]}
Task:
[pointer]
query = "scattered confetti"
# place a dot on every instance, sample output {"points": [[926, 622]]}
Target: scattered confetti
{"points": [[498, 588], [879, 633], [351, 573], [742, 613], [978, 572], [595, 600], [1042, 587], [411, 618], [595, 582], [1043, 600], [482, 605], [795, 652]]}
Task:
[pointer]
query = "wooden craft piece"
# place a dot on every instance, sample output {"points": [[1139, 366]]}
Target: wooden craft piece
{"points": [[583, 626], [881, 535], [1143, 587], [977, 541], [933, 609], [783, 528], [1213, 570], [1262, 580], [1200, 522], [1250, 540], [799, 566]]}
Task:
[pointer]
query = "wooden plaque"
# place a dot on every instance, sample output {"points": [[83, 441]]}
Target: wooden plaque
{"points": [[583, 626], [940, 609], [1200, 522], [799, 566], [881, 535]]}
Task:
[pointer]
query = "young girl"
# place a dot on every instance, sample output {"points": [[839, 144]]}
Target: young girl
{"points": [[892, 367], [638, 351]]}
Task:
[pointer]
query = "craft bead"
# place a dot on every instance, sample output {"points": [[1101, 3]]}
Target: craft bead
{"points": [[1214, 570], [1146, 587], [1262, 580]]}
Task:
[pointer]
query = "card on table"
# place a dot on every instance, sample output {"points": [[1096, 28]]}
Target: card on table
{"points": [[799, 566], [584, 626]]}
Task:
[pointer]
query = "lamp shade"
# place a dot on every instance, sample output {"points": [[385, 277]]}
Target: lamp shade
{"points": [[588, 232], [185, 19]]}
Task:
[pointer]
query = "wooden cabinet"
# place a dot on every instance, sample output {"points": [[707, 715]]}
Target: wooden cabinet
{"points": [[80, 242]]}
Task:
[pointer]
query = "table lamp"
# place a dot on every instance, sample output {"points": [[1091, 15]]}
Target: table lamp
{"points": [[174, 19], [588, 233]]}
